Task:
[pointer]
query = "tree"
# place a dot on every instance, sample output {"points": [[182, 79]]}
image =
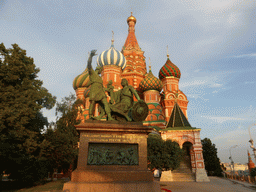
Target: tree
{"points": [[211, 160], [253, 172], [22, 96], [61, 139], [163, 155]]}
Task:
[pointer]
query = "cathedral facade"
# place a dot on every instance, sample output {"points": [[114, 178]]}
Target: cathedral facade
{"points": [[166, 102]]}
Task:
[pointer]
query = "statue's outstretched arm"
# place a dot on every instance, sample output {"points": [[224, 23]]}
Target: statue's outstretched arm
{"points": [[89, 62]]}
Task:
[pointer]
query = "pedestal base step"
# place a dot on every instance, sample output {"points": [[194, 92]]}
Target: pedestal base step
{"points": [[112, 187], [168, 176]]}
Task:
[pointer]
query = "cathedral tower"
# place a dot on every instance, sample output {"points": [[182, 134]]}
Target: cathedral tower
{"points": [[151, 87], [170, 74], [135, 61], [113, 63]]}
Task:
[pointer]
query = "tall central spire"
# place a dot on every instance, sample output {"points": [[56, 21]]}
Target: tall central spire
{"points": [[131, 41], [135, 61]]}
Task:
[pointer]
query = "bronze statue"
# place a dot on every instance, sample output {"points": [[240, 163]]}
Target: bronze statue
{"points": [[124, 99], [121, 104], [97, 93]]}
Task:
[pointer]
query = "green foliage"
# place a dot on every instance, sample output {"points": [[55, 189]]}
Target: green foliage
{"points": [[172, 154], [253, 172], [163, 155], [29, 170], [211, 160], [21, 122], [60, 143]]}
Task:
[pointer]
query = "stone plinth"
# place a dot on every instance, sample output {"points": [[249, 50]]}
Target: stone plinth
{"points": [[112, 157], [201, 176]]}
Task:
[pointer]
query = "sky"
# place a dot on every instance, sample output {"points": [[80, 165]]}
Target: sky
{"points": [[211, 41]]}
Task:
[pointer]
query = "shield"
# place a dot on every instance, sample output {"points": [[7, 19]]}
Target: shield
{"points": [[139, 111]]}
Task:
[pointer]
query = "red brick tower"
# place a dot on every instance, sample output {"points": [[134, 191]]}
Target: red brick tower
{"points": [[135, 61], [170, 76], [250, 162], [151, 87]]}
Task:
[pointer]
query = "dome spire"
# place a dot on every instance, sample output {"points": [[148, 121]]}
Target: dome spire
{"points": [[149, 65], [131, 18], [131, 41], [112, 40], [167, 52]]}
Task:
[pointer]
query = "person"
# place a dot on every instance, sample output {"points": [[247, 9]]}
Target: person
{"points": [[97, 93], [124, 99]]}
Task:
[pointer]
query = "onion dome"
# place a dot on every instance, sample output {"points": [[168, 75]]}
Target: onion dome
{"points": [[169, 70], [112, 57], [86, 92], [150, 82], [81, 80], [131, 18]]}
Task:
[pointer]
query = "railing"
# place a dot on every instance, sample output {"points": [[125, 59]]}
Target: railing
{"points": [[245, 178]]}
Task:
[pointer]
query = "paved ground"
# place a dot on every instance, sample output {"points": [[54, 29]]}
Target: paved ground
{"points": [[215, 185]]}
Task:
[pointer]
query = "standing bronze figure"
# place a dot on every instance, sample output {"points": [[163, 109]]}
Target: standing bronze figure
{"points": [[97, 93]]}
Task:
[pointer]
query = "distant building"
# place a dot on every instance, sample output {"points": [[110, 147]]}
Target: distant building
{"points": [[238, 168]]}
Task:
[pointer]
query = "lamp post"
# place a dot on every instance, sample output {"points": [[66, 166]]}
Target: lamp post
{"points": [[232, 162], [251, 141]]}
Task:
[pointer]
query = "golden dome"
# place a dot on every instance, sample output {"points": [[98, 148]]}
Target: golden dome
{"points": [[131, 18]]}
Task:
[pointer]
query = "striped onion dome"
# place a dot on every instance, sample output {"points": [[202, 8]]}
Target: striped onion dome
{"points": [[150, 83], [169, 70], [111, 57], [86, 92], [81, 80]]}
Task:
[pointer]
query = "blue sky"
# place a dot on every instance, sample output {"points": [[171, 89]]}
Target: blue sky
{"points": [[211, 41]]}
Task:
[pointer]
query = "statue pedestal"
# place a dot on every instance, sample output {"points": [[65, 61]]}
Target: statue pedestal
{"points": [[112, 157]]}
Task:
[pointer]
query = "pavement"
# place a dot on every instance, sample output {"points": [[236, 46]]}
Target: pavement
{"points": [[216, 184]]}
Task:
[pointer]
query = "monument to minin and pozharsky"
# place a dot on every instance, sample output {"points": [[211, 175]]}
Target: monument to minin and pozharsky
{"points": [[112, 153], [125, 72]]}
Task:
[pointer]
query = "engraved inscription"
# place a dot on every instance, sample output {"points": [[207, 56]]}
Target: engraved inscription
{"points": [[111, 138]]}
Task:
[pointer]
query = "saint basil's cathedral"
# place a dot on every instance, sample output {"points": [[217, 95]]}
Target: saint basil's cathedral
{"points": [[166, 102]]}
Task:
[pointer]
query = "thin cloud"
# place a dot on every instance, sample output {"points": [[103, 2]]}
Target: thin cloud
{"points": [[216, 85], [249, 82], [252, 55], [234, 137], [202, 44], [223, 119], [193, 83]]}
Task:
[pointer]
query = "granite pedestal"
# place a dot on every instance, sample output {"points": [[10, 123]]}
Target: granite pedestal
{"points": [[122, 168]]}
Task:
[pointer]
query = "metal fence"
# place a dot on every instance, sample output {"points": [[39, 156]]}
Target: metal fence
{"points": [[244, 178]]}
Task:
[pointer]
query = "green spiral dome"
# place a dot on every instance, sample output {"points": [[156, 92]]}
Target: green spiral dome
{"points": [[150, 83]]}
